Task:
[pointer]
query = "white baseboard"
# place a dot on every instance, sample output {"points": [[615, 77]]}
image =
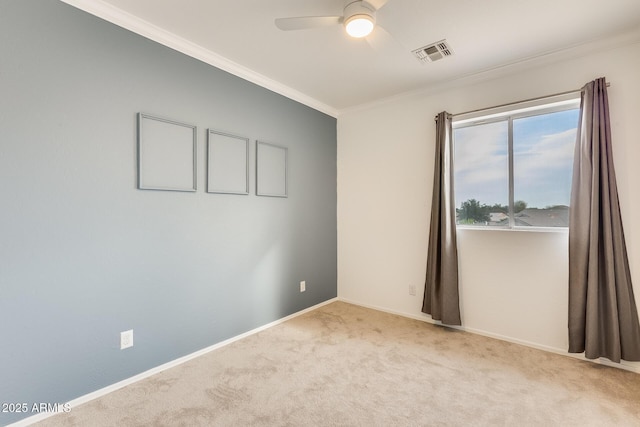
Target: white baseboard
{"points": [[113, 387], [627, 366]]}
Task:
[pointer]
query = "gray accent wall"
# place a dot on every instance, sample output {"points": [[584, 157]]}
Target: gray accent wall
{"points": [[85, 255]]}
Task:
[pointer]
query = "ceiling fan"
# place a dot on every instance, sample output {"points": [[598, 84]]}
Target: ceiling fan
{"points": [[358, 18]]}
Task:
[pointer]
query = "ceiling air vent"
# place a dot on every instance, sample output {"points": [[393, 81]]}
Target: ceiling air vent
{"points": [[433, 52]]}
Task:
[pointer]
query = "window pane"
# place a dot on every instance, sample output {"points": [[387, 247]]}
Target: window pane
{"points": [[482, 174], [543, 148]]}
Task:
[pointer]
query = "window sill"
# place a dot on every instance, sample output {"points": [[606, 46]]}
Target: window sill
{"points": [[564, 230]]}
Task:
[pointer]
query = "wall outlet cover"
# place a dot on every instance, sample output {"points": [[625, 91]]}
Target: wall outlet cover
{"points": [[126, 339]]}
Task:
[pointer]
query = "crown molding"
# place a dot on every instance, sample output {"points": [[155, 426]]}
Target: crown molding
{"points": [[523, 64], [114, 15], [146, 29]]}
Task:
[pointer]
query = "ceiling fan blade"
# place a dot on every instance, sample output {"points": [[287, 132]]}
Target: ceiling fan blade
{"points": [[305, 22], [377, 4]]}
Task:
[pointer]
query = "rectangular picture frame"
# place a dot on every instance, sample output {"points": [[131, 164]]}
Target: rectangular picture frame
{"points": [[271, 170], [167, 154], [227, 163]]}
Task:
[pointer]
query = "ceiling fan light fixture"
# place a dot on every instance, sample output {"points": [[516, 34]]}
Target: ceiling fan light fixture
{"points": [[359, 25]]}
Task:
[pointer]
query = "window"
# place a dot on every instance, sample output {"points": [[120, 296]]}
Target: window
{"points": [[513, 167]]}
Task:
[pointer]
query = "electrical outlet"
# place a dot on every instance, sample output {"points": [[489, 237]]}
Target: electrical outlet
{"points": [[303, 286], [126, 339], [412, 290]]}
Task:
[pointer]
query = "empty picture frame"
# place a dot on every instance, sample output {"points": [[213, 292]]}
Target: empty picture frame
{"points": [[166, 154], [271, 170], [227, 163]]}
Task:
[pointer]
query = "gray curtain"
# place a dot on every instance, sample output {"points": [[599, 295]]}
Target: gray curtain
{"points": [[603, 318], [441, 286]]}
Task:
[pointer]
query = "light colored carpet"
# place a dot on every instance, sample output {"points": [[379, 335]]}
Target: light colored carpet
{"points": [[344, 365]]}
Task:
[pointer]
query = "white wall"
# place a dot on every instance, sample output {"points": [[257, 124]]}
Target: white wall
{"points": [[513, 284]]}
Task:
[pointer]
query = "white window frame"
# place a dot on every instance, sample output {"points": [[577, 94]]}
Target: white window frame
{"points": [[509, 113]]}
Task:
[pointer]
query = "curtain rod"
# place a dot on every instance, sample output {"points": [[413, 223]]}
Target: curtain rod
{"points": [[520, 102]]}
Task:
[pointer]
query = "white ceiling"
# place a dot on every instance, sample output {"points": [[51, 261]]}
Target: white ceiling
{"points": [[326, 69]]}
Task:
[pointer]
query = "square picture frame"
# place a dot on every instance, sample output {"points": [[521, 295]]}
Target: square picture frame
{"points": [[227, 163], [271, 170], [167, 154]]}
